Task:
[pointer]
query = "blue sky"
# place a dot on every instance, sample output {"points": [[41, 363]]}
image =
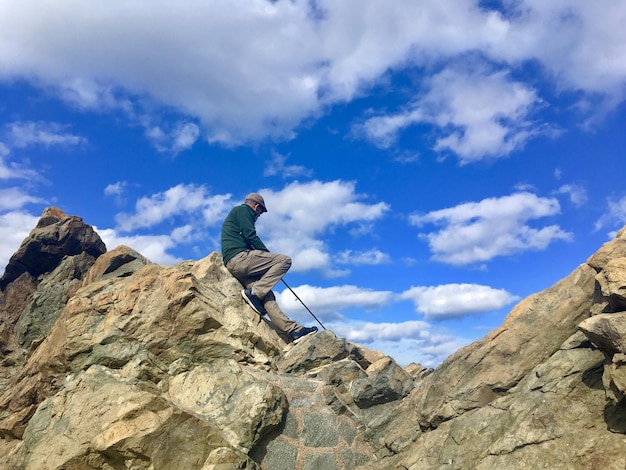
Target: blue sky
{"points": [[426, 164]]}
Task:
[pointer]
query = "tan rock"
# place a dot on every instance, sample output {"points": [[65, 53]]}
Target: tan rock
{"points": [[615, 248], [241, 406], [101, 420], [152, 367], [607, 331], [612, 281], [532, 332]]}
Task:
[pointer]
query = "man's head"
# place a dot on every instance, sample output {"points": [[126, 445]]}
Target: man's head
{"points": [[257, 203]]}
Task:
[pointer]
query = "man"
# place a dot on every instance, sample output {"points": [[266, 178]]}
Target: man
{"points": [[247, 258]]}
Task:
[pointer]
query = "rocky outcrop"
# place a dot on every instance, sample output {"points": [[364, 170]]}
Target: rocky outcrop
{"points": [[138, 365], [117, 362], [545, 390], [56, 236]]}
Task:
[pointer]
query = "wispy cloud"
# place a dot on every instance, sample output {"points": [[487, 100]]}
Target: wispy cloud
{"points": [[481, 114], [24, 134], [370, 257], [278, 166], [182, 136], [178, 201], [576, 193], [614, 215]]}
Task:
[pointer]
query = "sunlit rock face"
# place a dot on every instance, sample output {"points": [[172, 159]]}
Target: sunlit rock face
{"points": [[112, 361]]}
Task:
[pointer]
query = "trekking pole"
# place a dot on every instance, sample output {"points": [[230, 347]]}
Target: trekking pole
{"points": [[303, 303]]}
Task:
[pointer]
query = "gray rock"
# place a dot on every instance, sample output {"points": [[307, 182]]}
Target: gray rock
{"points": [[386, 381], [50, 297], [319, 430], [281, 455]]}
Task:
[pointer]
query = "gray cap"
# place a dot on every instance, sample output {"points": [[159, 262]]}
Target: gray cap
{"points": [[255, 197]]}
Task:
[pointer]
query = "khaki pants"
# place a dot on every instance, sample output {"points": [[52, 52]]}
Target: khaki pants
{"points": [[261, 271]]}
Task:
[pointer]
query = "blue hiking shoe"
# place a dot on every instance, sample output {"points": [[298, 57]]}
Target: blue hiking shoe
{"points": [[300, 335], [253, 301]]}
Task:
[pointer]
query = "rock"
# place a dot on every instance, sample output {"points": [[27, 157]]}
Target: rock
{"points": [[385, 381], [120, 262], [315, 351], [607, 331], [418, 371], [13, 301], [615, 248], [50, 297], [241, 406], [479, 373], [532, 427], [56, 235], [116, 423], [116, 362], [612, 281], [614, 383]]}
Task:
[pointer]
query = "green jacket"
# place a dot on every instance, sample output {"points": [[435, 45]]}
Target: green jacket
{"points": [[239, 234]]}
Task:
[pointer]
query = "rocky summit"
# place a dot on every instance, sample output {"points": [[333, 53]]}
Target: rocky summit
{"points": [[110, 361]]}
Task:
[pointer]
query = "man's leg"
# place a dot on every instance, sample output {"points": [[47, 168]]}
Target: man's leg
{"points": [[259, 270], [278, 317]]}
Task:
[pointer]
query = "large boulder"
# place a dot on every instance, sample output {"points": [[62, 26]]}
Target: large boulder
{"points": [[545, 390], [481, 372], [56, 235]]}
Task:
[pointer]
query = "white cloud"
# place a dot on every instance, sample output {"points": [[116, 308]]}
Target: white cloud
{"points": [[12, 170], [153, 247], [370, 257], [290, 228], [4, 150], [457, 300], [368, 332], [329, 301], [406, 342], [278, 166], [16, 171], [615, 215], [577, 194], [24, 134], [479, 231], [263, 67], [179, 200], [115, 189], [483, 114], [181, 137], [589, 51], [16, 198]]}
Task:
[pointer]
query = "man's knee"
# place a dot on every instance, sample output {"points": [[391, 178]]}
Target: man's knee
{"points": [[285, 260]]}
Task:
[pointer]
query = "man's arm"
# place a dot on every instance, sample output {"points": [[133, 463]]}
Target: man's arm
{"points": [[248, 230]]}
